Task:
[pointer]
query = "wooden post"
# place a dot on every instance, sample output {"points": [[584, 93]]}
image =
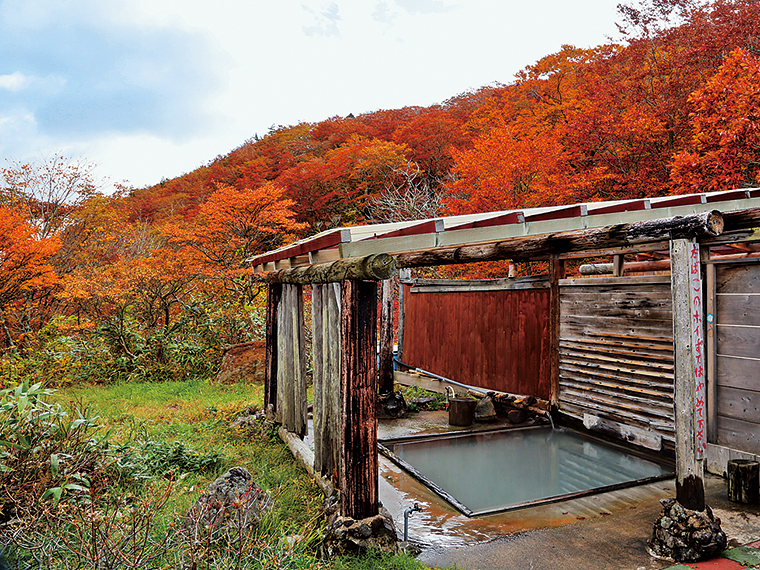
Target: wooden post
{"points": [[291, 362], [326, 350], [743, 477], [385, 365], [556, 272], [359, 467], [618, 265], [274, 295], [690, 491], [403, 274]]}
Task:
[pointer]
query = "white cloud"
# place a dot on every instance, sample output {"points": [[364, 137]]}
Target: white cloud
{"points": [[15, 81], [324, 22], [152, 89]]}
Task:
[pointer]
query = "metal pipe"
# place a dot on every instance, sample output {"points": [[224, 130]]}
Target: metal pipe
{"points": [[442, 378], [407, 512], [547, 413]]}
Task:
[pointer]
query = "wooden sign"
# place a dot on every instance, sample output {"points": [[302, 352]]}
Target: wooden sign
{"points": [[698, 352]]}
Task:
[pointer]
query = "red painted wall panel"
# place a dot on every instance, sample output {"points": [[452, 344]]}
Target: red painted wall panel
{"points": [[494, 339]]}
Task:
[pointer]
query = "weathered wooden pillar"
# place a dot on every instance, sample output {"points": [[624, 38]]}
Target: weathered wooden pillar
{"points": [[385, 364], [403, 275], [326, 348], [291, 361], [359, 468], [556, 272], [690, 409], [274, 295]]}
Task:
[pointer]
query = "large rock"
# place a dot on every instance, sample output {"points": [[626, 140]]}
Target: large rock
{"points": [[485, 411], [243, 363], [232, 503], [683, 535]]}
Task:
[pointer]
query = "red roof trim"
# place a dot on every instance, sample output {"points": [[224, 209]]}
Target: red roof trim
{"points": [[426, 227], [627, 206], [504, 219], [568, 212], [326, 241]]}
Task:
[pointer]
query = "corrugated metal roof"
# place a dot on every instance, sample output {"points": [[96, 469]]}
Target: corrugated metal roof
{"points": [[394, 238]]}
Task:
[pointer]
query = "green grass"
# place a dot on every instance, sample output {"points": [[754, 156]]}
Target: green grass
{"points": [[198, 414]]}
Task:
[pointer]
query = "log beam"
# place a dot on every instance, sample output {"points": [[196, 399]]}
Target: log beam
{"points": [[370, 268], [543, 246], [359, 464]]}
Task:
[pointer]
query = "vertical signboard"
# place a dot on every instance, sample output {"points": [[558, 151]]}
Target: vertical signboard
{"points": [[698, 352]]}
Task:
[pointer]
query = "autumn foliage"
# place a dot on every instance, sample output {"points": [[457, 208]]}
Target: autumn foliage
{"points": [[671, 107]]}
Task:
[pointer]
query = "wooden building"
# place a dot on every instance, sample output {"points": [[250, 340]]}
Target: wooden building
{"points": [[661, 350]]}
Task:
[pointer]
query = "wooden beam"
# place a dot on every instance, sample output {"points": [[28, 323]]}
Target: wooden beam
{"points": [[628, 267], [531, 247], [690, 490], [274, 295], [370, 268], [359, 465], [385, 365]]}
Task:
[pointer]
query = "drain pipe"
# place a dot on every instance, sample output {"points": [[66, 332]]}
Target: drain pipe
{"points": [[407, 512]]}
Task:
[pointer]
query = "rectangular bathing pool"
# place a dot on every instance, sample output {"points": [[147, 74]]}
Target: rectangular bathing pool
{"points": [[487, 472]]}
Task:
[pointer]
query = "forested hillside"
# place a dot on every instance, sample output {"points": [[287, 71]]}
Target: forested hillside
{"points": [[151, 282]]}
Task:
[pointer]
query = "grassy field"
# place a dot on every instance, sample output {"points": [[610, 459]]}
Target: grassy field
{"points": [[164, 443]]}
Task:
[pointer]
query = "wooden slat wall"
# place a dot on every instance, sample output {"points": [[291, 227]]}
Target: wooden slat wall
{"points": [[496, 339], [616, 351], [738, 360]]}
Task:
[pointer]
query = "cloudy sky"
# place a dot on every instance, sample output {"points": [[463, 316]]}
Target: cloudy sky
{"points": [[155, 88]]}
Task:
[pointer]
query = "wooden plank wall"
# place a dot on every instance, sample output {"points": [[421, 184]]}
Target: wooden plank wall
{"points": [[495, 339], [737, 319], [616, 352]]}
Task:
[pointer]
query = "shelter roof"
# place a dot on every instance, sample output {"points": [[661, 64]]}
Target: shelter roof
{"points": [[414, 235]]}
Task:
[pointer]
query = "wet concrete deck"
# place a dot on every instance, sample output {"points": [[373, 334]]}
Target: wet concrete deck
{"points": [[607, 531]]}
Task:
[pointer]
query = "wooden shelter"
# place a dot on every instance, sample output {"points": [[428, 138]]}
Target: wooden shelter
{"points": [[666, 360]]}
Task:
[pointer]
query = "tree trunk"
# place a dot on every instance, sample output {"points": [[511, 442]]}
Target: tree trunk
{"points": [[743, 481]]}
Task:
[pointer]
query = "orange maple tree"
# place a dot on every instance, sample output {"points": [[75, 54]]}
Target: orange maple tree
{"points": [[25, 260], [725, 145], [229, 228]]}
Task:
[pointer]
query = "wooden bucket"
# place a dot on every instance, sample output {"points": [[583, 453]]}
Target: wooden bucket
{"points": [[461, 411]]}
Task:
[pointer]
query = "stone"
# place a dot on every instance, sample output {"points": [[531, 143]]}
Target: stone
{"points": [[683, 535], [233, 502], [390, 406], [517, 416], [485, 411], [244, 362], [344, 535]]}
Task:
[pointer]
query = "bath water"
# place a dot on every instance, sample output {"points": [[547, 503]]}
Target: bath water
{"points": [[500, 470]]}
